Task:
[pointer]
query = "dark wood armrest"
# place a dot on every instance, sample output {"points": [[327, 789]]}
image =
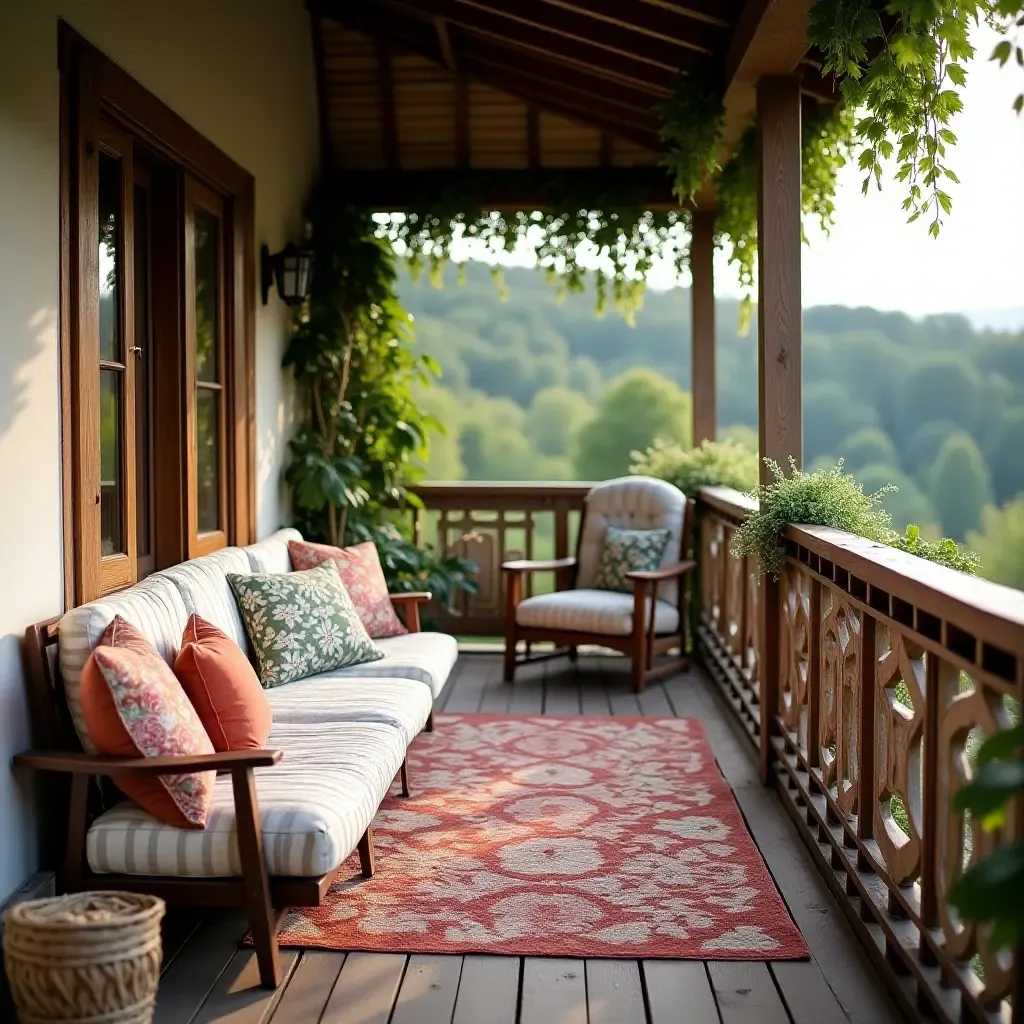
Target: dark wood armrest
{"points": [[666, 572], [410, 605], [525, 565], [99, 764], [416, 597]]}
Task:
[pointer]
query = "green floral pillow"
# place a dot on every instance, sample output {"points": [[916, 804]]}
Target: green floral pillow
{"points": [[629, 551], [301, 623]]}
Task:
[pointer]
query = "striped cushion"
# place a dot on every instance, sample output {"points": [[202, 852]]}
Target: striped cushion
{"points": [[632, 503], [314, 806], [602, 612], [426, 657], [271, 553], [204, 589], [154, 607], [333, 697]]}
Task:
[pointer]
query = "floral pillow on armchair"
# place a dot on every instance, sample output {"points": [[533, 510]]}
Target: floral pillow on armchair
{"points": [[628, 551], [360, 570]]}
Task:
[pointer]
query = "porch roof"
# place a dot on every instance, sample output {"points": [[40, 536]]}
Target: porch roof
{"points": [[414, 90]]}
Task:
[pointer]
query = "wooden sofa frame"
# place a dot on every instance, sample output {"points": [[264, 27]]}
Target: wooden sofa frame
{"points": [[641, 645], [265, 898]]}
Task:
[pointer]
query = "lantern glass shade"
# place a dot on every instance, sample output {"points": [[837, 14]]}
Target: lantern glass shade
{"points": [[292, 271]]}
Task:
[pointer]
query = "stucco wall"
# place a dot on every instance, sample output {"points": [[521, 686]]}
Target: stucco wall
{"points": [[241, 72]]}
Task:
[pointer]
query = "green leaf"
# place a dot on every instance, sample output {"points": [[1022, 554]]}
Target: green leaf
{"points": [[1002, 51], [994, 783], [1002, 745], [984, 892]]}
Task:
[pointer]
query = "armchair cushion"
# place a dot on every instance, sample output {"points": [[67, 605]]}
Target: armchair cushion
{"points": [[627, 551], [632, 503], [601, 612]]}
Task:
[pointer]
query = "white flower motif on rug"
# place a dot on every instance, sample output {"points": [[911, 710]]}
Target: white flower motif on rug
{"points": [[545, 836]]}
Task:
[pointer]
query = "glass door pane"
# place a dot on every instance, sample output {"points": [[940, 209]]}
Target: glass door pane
{"points": [[144, 503], [111, 368]]}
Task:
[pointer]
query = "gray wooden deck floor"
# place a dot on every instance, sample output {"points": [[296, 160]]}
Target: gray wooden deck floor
{"points": [[207, 978]]}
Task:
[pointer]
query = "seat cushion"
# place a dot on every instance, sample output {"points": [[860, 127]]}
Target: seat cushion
{"points": [[335, 697], [203, 585], [426, 657], [154, 607], [601, 612], [314, 806], [271, 553]]}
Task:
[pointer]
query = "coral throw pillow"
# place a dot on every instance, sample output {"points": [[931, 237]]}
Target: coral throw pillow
{"points": [[223, 687], [135, 707], [361, 572], [301, 623]]}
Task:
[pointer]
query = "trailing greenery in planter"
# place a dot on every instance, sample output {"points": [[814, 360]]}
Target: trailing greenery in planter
{"points": [[712, 463], [830, 497], [362, 438], [992, 891]]}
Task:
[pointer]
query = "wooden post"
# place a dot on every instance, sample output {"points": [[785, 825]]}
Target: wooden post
{"points": [[779, 333], [702, 324]]}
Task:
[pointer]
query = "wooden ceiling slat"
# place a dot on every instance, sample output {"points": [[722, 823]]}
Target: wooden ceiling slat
{"points": [[714, 12]]}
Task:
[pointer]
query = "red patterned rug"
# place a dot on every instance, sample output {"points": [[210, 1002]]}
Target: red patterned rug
{"points": [[547, 836]]}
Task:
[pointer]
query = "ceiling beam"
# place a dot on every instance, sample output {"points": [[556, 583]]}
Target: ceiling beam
{"points": [[665, 24], [497, 30], [505, 190], [714, 12], [444, 40], [510, 28], [419, 37], [386, 88]]}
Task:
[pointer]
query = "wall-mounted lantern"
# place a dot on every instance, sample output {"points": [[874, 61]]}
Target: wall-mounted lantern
{"points": [[291, 270]]}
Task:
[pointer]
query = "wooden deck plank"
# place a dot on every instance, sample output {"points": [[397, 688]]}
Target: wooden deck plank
{"points": [[488, 990], [678, 989], [176, 929], [806, 993], [561, 689], [237, 998], [441, 701], [429, 990], [468, 689], [554, 991], [366, 989], [195, 970], [745, 993], [310, 987], [527, 692], [654, 702], [843, 962], [615, 993]]}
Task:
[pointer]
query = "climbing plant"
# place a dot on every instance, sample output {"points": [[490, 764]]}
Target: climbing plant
{"points": [[362, 438]]}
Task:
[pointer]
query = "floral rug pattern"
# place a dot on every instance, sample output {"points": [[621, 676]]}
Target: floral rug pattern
{"points": [[534, 836]]}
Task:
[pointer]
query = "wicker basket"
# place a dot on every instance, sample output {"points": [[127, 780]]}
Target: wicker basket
{"points": [[87, 958]]}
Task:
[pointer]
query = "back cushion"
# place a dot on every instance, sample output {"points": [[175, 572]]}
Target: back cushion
{"points": [[632, 503], [271, 553], [154, 607], [203, 585]]}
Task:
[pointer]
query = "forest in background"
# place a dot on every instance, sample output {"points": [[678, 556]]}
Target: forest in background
{"points": [[537, 389]]}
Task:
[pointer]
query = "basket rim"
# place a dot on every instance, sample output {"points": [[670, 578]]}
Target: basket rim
{"points": [[148, 907]]}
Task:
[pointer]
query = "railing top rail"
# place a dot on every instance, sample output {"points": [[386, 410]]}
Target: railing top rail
{"points": [[989, 610], [469, 490]]}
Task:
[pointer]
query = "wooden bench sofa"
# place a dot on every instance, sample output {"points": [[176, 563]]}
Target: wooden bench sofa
{"points": [[284, 819]]}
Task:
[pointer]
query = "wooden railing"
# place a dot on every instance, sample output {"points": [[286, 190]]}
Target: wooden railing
{"points": [[875, 676], [491, 523]]}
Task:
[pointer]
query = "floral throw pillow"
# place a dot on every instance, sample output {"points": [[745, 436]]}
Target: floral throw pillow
{"points": [[360, 570], [301, 623], [629, 551], [134, 706]]}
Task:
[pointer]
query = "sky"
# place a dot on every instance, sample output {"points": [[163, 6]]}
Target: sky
{"points": [[872, 257]]}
